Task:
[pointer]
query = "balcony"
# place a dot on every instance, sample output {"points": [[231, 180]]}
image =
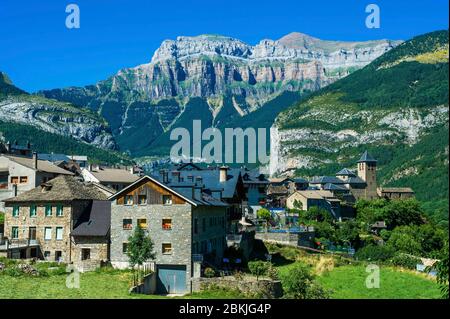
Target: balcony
{"points": [[6, 244]]}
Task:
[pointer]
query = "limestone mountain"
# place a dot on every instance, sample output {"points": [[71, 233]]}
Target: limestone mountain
{"points": [[219, 75], [397, 107], [17, 106]]}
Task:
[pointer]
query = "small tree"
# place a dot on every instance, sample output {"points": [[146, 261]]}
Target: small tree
{"points": [[264, 213], [140, 248], [258, 268], [297, 282]]}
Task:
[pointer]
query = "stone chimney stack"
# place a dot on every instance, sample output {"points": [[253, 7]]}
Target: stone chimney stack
{"points": [[8, 147], [223, 173], [35, 160]]}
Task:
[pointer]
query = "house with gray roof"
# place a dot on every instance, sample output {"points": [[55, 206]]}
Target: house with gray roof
{"points": [[19, 174], [186, 222], [63, 219]]}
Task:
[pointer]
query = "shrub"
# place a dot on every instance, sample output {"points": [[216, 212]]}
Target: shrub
{"points": [[13, 272], [406, 261], [297, 282], [373, 252], [209, 272], [258, 268]]}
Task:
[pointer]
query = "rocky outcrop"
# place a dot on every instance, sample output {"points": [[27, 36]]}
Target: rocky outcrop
{"points": [[57, 117], [377, 127], [213, 67]]}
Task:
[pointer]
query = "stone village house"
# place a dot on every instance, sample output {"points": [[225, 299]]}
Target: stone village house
{"points": [[21, 173], [61, 220], [186, 224]]}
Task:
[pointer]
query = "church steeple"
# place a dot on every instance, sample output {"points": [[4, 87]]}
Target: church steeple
{"points": [[367, 171]]}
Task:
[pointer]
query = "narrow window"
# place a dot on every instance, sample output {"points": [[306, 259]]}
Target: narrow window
{"points": [[142, 199], [167, 248], [47, 233], [59, 233], [15, 232], [15, 211], [124, 248], [167, 223], [23, 179], [48, 210], [15, 180], [128, 200], [32, 210], [127, 224], [59, 210], [167, 199], [58, 255]]}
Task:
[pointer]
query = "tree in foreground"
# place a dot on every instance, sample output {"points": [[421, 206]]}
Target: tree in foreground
{"points": [[264, 213], [299, 283], [140, 248]]}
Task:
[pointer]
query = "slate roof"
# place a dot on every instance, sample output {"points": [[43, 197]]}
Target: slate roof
{"points": [[366, 158], [355, 180], [326, 180], [300, 180], [210, 179], [334, 187], [275, 189], [345, 172], [42, 166], [60, 189], [94, 221], [114, 175]]}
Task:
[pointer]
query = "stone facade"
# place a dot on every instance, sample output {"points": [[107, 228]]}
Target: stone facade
{"points": [[33, 178], [181, 236], [47, 248], [67, 249]]}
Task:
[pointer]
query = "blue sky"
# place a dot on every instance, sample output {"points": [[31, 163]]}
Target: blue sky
{"points": [[39, 52]]}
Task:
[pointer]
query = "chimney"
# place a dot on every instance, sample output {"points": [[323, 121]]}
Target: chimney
{"points": [[176, 176], [164, 175], [223, 170], [132, 170], [35, 160], [8, 147]]}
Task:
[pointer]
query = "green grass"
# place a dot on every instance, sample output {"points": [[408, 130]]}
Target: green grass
{"points": [[348, 282]]}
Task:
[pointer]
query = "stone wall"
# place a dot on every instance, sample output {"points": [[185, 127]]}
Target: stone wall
{"points": [[99, 249], [147, 287], [179, 236], [293, 239], [262, 288], [40, 221]]}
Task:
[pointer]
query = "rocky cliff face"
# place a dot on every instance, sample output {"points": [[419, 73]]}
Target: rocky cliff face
{"points": [[207, 65], [215, 67], [52, 116], [397, 104]]}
